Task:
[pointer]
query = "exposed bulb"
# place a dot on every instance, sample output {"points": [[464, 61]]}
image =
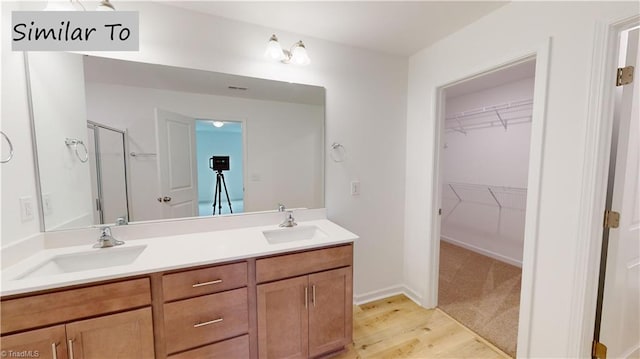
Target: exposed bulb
{"points": [[218, 124], [274, 50], [299, 54]]}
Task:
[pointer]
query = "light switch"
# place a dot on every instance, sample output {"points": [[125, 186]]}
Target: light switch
{"points": [[355, 188], [26, 209]]}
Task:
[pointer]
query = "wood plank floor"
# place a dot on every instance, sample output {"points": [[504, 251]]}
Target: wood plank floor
{"points": [[396, 327]]}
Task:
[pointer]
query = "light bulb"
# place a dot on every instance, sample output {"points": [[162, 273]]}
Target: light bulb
{"points": [[218, 124], [299, 54], [274, 50]]}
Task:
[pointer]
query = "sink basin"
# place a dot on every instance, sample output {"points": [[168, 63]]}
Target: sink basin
{"points": [[298, 233], [82, 261]]}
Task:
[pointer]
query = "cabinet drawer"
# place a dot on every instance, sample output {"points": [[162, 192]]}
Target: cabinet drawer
{"points": [[291, 265], [57, 307], [204, 281], [193, 322], [236, 348]]}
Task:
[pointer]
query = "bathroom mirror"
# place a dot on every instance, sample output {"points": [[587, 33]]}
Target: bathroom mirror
{"points": [[121, 141]]}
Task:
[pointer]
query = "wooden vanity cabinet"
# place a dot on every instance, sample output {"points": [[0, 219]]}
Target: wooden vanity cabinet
{"points": [[306, 316], [105, 334], [47, 343], [206, 312], [295, 305]]}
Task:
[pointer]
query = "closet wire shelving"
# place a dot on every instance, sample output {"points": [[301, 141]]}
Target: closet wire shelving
{"points": [[500, 196], [500, 115]]}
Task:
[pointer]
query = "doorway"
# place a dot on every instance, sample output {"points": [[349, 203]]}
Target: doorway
{"points": [[484, 164], [215, 138]]}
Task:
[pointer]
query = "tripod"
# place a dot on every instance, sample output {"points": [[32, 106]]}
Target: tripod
{"points": [[217, 193]]}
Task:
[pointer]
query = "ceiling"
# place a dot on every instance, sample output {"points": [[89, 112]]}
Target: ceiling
{"points": [[394, 27], [495, 78]]}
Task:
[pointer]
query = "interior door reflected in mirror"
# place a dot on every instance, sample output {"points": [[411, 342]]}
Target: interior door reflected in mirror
{"points": [[152, 132]]}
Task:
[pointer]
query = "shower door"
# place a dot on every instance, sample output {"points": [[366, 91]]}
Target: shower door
{"points": [[108, 174]]}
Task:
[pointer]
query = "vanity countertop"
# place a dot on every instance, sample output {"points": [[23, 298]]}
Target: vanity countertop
{"points": [[168, 253]]}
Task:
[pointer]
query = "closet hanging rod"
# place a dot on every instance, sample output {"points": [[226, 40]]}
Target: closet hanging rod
{"points": [[513, 105], [485, 186], [493, 190], [142, 154]]}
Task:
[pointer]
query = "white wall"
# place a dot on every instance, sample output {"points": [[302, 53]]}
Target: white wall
{"points": [[365, 107], [509, 32], [18, 176], [488, 156], [284, 140], [59, 111]]}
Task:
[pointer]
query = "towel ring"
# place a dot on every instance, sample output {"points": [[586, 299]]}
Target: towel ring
{"points": [[10, 148], [75, 142], [338, 149]]}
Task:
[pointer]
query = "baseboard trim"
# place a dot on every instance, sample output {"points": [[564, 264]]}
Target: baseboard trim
{"points": [[482, 251], [385, 293]]}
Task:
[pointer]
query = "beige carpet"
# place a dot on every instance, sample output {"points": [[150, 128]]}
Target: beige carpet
{"points": [[482, 293]]}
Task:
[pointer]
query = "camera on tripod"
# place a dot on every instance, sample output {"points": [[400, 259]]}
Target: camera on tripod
{"points": [[219, 163]]}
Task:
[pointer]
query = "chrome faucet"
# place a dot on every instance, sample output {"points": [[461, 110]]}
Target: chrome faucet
{"points": [[281, 207], [289, 221], [106, 240]]}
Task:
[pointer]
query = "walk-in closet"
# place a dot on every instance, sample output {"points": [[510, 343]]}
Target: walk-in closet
{"points": [[484, 169]]}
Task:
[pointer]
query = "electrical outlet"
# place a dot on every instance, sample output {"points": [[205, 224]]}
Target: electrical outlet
{"points": [[355, 188], [26, 209], [47, 204]]}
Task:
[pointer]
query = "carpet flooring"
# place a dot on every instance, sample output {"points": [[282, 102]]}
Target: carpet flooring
{"points": [[482, 293]]}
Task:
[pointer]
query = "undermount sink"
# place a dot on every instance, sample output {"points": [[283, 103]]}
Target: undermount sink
{"points": [[298, 233], [83, 261]]}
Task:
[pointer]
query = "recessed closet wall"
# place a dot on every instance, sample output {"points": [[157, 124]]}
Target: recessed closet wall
{"points": [[485, 166]]}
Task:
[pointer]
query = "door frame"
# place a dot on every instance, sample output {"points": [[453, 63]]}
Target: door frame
{"points": [[245, 149], [541, 54], [597, 151]]}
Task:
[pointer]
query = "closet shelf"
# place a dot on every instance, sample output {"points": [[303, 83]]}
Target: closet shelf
{"points": [[503, 196], [501, 115]]}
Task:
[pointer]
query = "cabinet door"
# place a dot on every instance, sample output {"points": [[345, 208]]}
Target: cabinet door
{"points": [[47, 343], [117, 336], [330, 310], [283, 319]]}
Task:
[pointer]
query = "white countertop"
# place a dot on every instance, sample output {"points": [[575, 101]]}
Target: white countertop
{"points": [[168, 253]]}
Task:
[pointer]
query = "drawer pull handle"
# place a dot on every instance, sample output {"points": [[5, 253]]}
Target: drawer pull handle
{"points": [[207, 323], [313, 296], [207, 283], [54, 350], [70, 348], [306, 297]]}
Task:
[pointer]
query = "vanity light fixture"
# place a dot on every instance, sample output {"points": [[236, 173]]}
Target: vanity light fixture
{"points": [[297, 55], [105, 5], [73, 5]]}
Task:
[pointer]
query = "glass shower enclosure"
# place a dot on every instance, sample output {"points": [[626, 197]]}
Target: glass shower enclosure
{"points": [[107, 156]]}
